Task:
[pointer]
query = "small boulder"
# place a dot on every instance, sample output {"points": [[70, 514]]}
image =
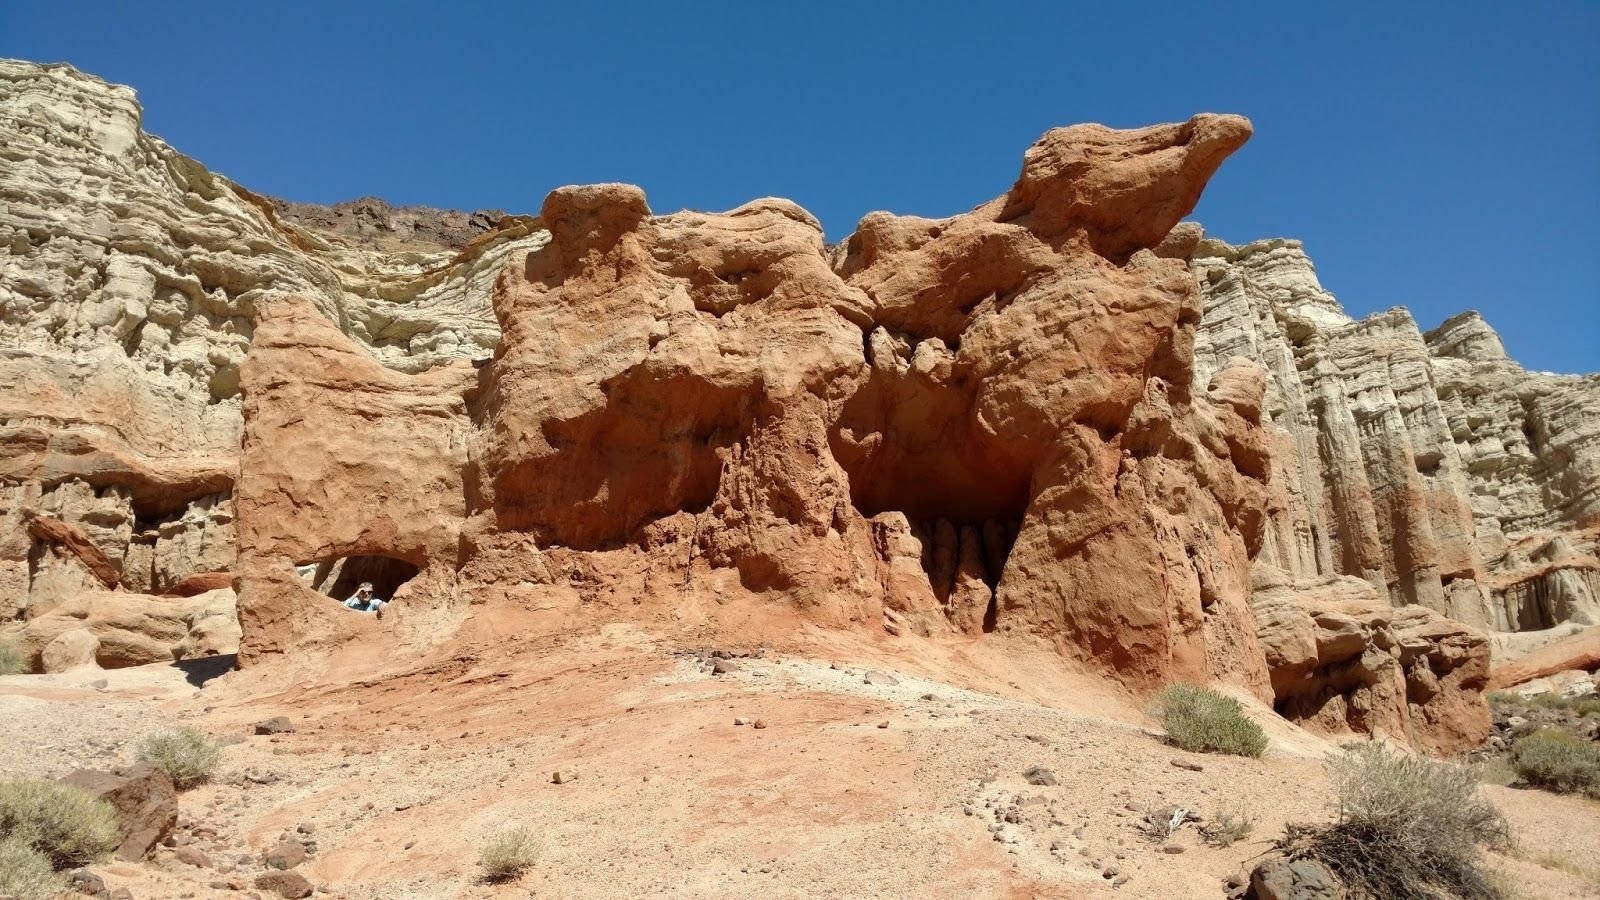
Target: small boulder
{"points": [[193, 856], [1279, 878], [275, 725], [563, 776], [724, 666], [879, 678], [284, 855], [1039, 775], [87, 883], [72, 649], [145, 801], [289, 885]]}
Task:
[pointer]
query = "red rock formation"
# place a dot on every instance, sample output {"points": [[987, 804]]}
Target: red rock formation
{"points": [[341, 457], [1003, 396], [57, 533], [1576, 651]]}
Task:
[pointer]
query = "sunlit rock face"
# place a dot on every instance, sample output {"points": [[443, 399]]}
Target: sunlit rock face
{"points": [[1429, 465], [1061, 417], [986, 423], [129, 278]]}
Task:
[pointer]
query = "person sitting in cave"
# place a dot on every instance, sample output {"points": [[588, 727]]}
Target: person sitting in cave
{"points": [[363, 600]]}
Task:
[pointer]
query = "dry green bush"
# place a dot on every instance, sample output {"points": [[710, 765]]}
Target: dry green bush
{"points": [[1508, 701], [1204, 721], [509, 853], [12, 662], [25, 873], [1226, 829], [66, 825], [1558, 761], [185, 754], [1408, 828]]}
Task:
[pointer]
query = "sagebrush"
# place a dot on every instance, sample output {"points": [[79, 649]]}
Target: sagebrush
{"points": [[1407, 828], [1226, 829], [12, 662], [1558, 761], [25, 873], [1581, 706], [65, 825], [509, 853], [1204, 721], [185, 754]]}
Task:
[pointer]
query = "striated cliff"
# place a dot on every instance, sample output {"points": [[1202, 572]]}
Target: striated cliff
{"points": [[1409, 469], [1055, 418], [129, 275], [1430, 465]]}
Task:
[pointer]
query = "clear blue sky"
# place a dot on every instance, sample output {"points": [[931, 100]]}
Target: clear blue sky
{"points": [[1443, 156]]}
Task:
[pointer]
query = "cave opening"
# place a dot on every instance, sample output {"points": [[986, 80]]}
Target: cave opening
{"points": [[339, 577], [962, 497], [915, 444], [965, 510]]}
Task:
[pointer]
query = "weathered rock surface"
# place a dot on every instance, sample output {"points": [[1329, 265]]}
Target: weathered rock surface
{"points": [[1057, 416], [1280, 878], [716, 401], [119, 628], [1429, 466], [1342, 658], [290, 885], [1576, 652], [373, 223], [128, 278], [145, 801]]}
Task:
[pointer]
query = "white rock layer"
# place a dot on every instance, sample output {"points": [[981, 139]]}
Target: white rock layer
{"points": [[1430, 465]]}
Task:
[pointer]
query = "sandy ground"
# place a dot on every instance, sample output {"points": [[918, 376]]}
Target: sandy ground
{"points": [[848, 788]]}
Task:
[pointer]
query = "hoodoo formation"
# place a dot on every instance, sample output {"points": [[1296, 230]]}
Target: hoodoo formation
{"points": [[1065, 417]]}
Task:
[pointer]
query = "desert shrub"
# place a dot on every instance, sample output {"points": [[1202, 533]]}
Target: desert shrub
{"points": [[1586, 705], [1226, 829], [185, 754], [509, 853], [25, 873], [1547, 700], [1589, 876], [12, 662], [1162, 822], [64, 824], [1408, 828], [1559, 761], [1205, 721]]}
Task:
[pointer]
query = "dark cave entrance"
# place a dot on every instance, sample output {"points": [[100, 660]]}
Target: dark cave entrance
{"points": [[965, 508], [338, 577], [914, 445]]}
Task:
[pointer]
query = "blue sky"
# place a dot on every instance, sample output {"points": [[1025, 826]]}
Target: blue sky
{"points": [[1438, 156]]}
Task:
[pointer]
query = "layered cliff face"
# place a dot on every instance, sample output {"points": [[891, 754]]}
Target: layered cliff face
{"points": [[1056, 417], [1429, 466], [982, 423], [129, 277]]}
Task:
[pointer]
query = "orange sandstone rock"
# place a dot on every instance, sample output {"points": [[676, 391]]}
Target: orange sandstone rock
{"points": [[1004, 397]]}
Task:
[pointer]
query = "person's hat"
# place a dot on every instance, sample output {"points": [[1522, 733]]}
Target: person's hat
{"points": [[366, 586]]}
